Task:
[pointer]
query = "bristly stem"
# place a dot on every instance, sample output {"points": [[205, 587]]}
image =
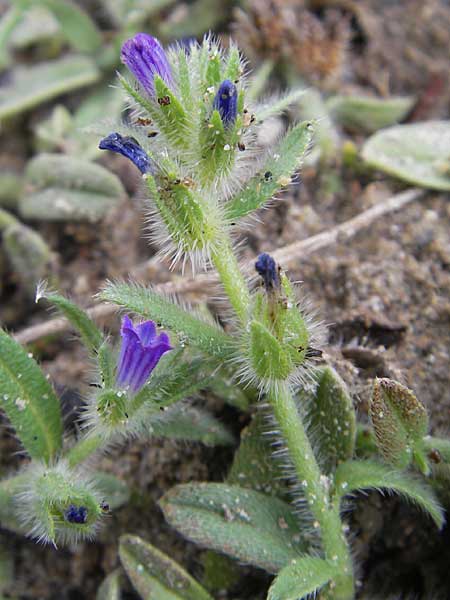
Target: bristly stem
{"points": [[314, 484], [315, 488], [232, 279], [83, 449]]}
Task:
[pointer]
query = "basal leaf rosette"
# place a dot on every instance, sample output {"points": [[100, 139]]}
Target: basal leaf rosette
{"points": [[58, 505], [281, 339]]}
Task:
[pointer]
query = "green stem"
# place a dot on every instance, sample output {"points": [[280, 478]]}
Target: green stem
{"points": [[232, 279], [315, 485], [83, 449], [315, 488]]}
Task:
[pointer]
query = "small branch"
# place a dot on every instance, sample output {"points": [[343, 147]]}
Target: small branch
{"points": [[287, 256]]}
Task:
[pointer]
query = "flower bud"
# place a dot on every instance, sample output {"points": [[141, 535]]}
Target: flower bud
{"points": [[145, 57], [400, 422], [226, 101]]}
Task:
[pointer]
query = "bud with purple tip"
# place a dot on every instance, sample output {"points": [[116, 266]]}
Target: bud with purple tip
{"points": [[268, 269], [145, 57], [76, 514], [141, 351], [129, 147], [226, 102]]}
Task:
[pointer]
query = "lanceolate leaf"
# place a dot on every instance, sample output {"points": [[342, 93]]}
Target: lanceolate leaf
{"points": [[113, 490], [331, 419], [303, 576], [274, 175], [110, 588], [417, 153], [278, 106], [30, 86], [90, 334], [145, 302], [29, 401], [194, 424], [254, 465], [155, 575], [368, 114], [76, 24], [247, 525], [352, 476]]}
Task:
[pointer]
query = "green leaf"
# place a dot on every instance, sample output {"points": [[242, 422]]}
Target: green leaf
{"points": [[8, 22], [331, 418], [303, 576], [400, 422], [62, 204], [90, 334], [418, 153], [31, 86], [367, 114], [29, 401], [66, 188], [258, 81], [79, 29], [278, 106], [110, 587], [352, 476], [155, 575], [59, 171], [113, 490], [8, 505], [280, 166], [147, 303], [29, 255], [247, 525], [254, 465], [194, 424]]}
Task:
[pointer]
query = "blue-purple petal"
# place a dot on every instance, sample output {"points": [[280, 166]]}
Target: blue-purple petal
{"points": [[145, 57], [140, 352], [130, 148], [267, 268], [226, 102]]}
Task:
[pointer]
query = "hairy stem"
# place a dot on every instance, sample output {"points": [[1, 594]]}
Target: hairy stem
{"points": [[83, 449], [232, 279], [315, 488]]}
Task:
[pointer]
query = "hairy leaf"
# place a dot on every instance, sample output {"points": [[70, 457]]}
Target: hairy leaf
{"points": [[155, 575], [367, 114], [247, 525], [29, 401], [278, 106], [254, 465], [194, 424], [110, 587], [114, 491], [303, 576], [274, 175], [331, 419], [355, 475], [30, 86], [90, 334], [147, 303], [417, 153]]}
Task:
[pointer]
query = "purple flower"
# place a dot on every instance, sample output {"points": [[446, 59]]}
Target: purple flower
{"points": [[129, 147], [268, 269], [226, 102], [76, 514], [145, 57], [140, 353]]}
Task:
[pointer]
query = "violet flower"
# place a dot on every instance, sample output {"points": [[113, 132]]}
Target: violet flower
{"points": [[140, 353], [129, 147], [268, 269], [76, 514], [226, 102], [145, 58]]}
